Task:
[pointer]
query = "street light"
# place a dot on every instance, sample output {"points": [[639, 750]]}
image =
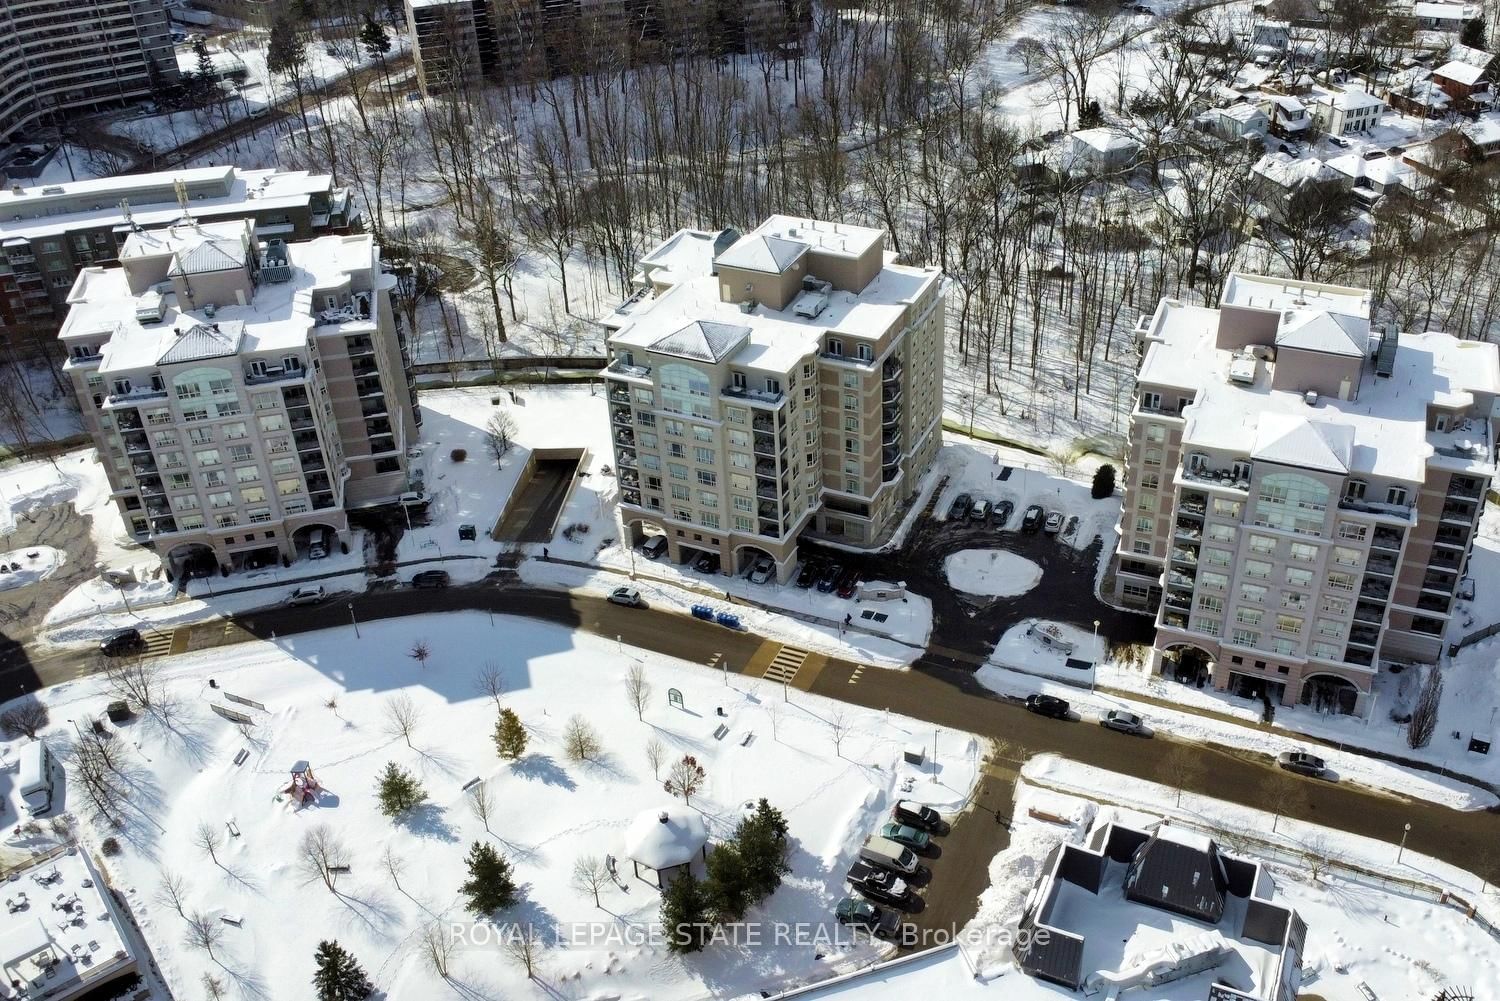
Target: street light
{"points": [[1404, 832], [75, 727], [1094, 672], [353, 620]]}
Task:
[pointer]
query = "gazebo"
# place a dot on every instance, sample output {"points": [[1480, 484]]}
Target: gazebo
{"points": [[663, 841]]}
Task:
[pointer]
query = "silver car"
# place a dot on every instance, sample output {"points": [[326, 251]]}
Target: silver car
{"points": [[627, 596], [308, 595], [1124, 722]]}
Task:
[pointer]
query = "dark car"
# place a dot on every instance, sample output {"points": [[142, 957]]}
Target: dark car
{"points": [[1032, 520], [808, 575], [430, 578], [858, 913], [1002, 513], [848, 583], [829, 578], [707, 563], [902, 834], [1048, 705], [123, 642], [1124, 722], [1302, 763], [960, 507], [879, 885], [917, 815]]}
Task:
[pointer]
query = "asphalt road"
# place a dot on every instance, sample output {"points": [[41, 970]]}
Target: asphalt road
{"points": [[945, 696]]}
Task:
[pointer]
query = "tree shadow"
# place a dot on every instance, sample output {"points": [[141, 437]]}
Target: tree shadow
{"points": [[608, 764], [371, 908], [428, 820], [542, 768], [246, 979], [439, 761]]}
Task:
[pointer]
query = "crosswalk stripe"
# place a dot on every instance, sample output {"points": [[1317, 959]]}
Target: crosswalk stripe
{"points": [[785, 665]]}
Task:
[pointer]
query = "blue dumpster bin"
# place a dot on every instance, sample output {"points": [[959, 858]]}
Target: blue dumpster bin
{"points": [[727, 620], [702, 612]]}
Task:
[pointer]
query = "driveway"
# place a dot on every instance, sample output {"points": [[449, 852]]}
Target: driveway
{"points": [[965, 628], [23, 608]]}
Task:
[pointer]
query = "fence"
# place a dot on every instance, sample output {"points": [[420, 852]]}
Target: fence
{"points": [[517, 363], [1474, 637], [245, 702]]}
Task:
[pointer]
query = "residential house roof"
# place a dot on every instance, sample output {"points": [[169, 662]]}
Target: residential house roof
{"points": [[1460, 72]]}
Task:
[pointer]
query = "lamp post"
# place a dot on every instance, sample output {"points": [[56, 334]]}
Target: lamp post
{"points": [[75, 727], [1094, 671], [1404, 832], [353, 620], [934, 754]]}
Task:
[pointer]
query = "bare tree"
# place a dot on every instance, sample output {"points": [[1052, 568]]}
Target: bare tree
{"points": [[581, 740], [491, 681], [1321, 854], [1305, 229], [204, 932], [656, 756], [838, 728], [1424, 715], [401, 717], [134, 679], [637, 689], [213, 987], [173, 892], [773, 710], [1074, 43], [421, 653], [208, 839], [685, 778], [437, 946], [100, 782], [590, 875], [1281, 794], [394, 866], [524, 944], [499, 433], [1180, 768], [481, 805], [320, 855], [28, 716]]}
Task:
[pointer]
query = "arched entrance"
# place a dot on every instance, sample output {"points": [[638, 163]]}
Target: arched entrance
{"points": [[306, 535], [746, 557], [191, 559], [1187, 664], [1328, 693]]}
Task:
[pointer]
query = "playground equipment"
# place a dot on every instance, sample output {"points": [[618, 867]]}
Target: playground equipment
{"points": [[304, 787]]}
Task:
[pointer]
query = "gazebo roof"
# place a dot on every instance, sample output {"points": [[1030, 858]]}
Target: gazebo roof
{"points": [[663, 838]]}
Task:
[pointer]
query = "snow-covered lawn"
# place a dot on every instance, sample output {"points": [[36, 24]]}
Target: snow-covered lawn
{"points": [[992, 572], [20, 567], [77, 478], [1022, 647], [327, 696]]}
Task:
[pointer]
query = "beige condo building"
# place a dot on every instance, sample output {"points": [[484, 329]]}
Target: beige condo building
{"points": [[1302, 492], [242, 394], [788, 381]]}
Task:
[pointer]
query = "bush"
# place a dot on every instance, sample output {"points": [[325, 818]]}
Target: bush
{"points": [[459, 454], [26, 718], [110, 847], [1104, 482]]}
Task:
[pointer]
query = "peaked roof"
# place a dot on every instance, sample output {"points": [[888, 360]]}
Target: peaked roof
{"points": [[204, 341], [1319, 330], [1187, 879], [209, 256], [702, 340], [1290, 440], [1460, 71], [770, 254]]}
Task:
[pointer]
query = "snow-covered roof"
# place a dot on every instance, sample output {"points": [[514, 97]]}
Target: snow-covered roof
{"points": [[684, 254], [1289, 171], [209, 255], [84, 940], [1467, 54], [1444, 11], [1318, 330], [1349, 100], [202, 341], [1483, 131], [1460, 72], [770, 254], [1241, 112], [663, 838], [1286, 102], [702, 340], [1290, 440], [1105, 140]]}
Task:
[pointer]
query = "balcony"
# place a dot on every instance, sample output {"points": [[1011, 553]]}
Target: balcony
{"points": [[1434, 603], [629, 479], [322, 501], [1194, 506], [163, 526], [890, 416], [128, 420], [1467, 493], [1175, 579], [360, 347], [1460, 514], [1369, 612], [620, 395], [1356, 655], [373, 408], [625, 458], [765, 396], [767, 510], [1375, 589], [268, 376], [1445, 559], [619, 367], [630, 496], [1174, 620], [891, 373], [891, 436], [158, 509], [1177, 600], [1186, 531], [312, 462], [621, 415], [1383, 565], [889, 396], [890, 473], [306, 442], [136, 442], [1370, 507], [151, 486], [1386, 538], [1364, 635], [1229, 478], [1185, 556], [364, 366], [890, 458], [1457, 538], [143, 465], [764, 467], [625, 437], [762, 423], [767, 445]]}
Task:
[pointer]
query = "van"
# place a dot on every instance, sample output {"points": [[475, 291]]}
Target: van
{"points": [[35, 778], [317, 544], [654, 547], [888, 855]]}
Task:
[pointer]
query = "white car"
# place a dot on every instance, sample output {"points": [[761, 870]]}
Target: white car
{"points": [[311, 594], [627, 596], [763, 570]]}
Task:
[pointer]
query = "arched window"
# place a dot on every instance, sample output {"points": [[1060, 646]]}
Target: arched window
{"points": [[197, 383], [686, 390], [1291, 502]]}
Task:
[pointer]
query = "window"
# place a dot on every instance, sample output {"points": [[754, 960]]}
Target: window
{"points": [[246, 474], [1156, 434], [734, 415], [1216, 557], [647, 439], [1345, 557], [1285, 648], [1396, 496], [743, 504], [179, 481], [1291, 502], [1262, 544], [1224, 508], [214, 478], [707, 478], [1325, 651], [265, 401], [207, 457], [1150, 401], [193, 414], [273, 422], [253, 495], [1245, 637], [221, 499], [702, 433], [1146, 502], [680, 492], [743, 524], [1341, 581], [739, 439], [291, 486], [710, 519], [278, 445], [739, 460], [1297, 577], [676, 450], [851, 401], [1253, 593], [1334, 605], [1328, 627], [851, 446], [708, 499], [1249, 616], [1352, 530], [1221, 533], [1209, 603], [676, 429], [851, 424], [166, 438], [1150, 481], [1289, 624], [185, 502], [835, 347], [737, 380], [190, 522], [649, 461], [159, 417], [703, 456], [200, 436], [226, 520], [1145, 525], [1295, 600], [1142, 546], [1257, 570], [1209, 627], [240, 453], [260, 514], [1354, 490], [234, 431], [677, 471], [1151, 457], [1213, 581]]}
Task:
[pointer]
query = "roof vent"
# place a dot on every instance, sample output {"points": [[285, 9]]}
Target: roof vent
{"points": [[748, 306], [1310, 397], [662, 816], [209, 309]]}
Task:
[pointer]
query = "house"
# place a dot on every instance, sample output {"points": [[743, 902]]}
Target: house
{"points": [[1238, 121], [1101, 151], [1278, 174], [1466, 84], [1375, 173], [1416, 93], [1444, 17], [1286, 116], [1270, 37], [1481, 137], [1346, 112]]}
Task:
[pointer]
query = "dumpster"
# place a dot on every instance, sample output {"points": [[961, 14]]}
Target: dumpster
{"points": [[727, 620], [702, 612]]}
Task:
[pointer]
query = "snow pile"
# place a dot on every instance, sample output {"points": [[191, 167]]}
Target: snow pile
{"points": [[992, 572], [20, 567], [1023, 648], [96, 596], [29, 487], [328, 699]]}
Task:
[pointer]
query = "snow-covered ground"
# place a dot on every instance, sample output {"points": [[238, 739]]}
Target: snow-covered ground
{"points": [[77, 478], [1022, 647], [1366, 937], [327, 697], [992, 572], [20, 567]]}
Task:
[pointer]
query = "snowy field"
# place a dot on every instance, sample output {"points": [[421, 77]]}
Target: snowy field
{"points": [[327, 697], [20, 567], [1367, 938], [991, 572]]}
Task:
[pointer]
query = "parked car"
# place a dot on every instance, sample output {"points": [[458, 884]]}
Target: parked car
{"points": [[848, 583], [309, 594], [858, 913], [808, 575], [1118, 719], [912, 838], [888, 855], [829, 578], [1048, 705], [763, 570], [878, 884], [430, 578], [980, 511], [653, 547], [707, 563], [1032, 520], [1302, 763], [1001, 513], [916, 815], [123, 642], [412, 498], [627, 596], [960, 507], [1054, 523]]}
